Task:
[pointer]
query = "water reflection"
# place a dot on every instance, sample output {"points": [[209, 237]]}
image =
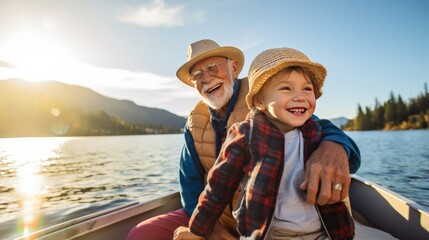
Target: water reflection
{"points": [[23, 163], [75, 176]]}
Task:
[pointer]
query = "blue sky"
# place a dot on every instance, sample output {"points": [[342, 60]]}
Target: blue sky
{"points": [[132, 49]]}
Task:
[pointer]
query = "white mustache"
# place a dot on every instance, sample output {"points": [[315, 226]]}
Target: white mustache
{"points": [[216, 101], [207, 87]]}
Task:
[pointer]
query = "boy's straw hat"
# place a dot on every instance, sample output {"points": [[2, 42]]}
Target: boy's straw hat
{"points": [[202, 49], [272, 61]]}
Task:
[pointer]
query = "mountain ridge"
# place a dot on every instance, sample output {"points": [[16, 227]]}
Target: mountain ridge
{"points": [[16, 94], [339, 121]]}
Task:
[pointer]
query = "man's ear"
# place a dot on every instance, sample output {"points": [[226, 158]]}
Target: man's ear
{"points": [[234, 68]]}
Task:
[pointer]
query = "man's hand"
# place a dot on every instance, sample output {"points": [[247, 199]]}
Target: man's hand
{"points": [[327, 166], [182, 233]]}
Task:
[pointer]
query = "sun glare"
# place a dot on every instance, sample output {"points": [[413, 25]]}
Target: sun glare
{"points": [[27, 156], [36, 56]]}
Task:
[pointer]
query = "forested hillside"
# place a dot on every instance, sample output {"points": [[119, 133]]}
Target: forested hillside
{"points": [[393, 114], [57, 109]]}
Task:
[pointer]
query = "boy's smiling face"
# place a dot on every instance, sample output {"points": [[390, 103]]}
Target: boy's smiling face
{"points": [[287, 99]]}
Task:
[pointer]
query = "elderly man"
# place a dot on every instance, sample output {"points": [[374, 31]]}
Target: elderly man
{"points": [[213, 70]]}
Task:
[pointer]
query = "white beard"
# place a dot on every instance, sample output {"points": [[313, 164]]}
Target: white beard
{"points": [[219, 102]]}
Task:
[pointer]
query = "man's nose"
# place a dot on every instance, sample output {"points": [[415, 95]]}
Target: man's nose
{"points": [[205, 72]]}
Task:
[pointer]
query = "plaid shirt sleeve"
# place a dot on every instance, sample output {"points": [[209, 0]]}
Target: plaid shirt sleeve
{"points": [[223, 181]]}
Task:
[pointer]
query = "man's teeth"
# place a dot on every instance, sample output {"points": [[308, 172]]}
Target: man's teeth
{"points": [[214, 88]]}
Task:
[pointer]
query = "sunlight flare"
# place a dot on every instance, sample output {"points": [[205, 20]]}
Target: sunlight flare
{"points": [[37, 57]]}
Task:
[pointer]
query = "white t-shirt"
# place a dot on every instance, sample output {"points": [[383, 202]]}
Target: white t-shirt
{"points": [[292, 211]]}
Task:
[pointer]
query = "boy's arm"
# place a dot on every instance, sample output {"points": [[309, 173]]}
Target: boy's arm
{"points": [[191, 185], [222, 182], [330, 164]]}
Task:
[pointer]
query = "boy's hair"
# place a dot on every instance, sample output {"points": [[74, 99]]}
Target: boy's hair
{"points": [[307, 74], [272, 61]]}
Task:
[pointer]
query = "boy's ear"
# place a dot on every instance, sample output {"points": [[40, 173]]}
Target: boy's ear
{"points": [[259, 104]]}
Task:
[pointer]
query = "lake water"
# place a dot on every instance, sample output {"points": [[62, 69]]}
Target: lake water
{"points": [[49, 180]]}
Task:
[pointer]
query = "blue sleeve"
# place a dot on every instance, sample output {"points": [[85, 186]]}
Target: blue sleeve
{"points": [[334, 134], [191, 175]]}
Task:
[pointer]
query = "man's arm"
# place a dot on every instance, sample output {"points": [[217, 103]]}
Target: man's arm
{"points": [[191, 175], [334, 134], [331, 163]]}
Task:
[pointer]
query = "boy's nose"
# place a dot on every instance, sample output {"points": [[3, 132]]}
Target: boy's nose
{"points": [[298, 96]]}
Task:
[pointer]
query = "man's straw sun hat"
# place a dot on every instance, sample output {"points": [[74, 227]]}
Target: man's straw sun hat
{"points": [[272, 61], [202, 49]]}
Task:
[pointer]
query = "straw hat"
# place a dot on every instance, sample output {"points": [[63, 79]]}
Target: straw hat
{"points": [[202, 49], [272, 61]]}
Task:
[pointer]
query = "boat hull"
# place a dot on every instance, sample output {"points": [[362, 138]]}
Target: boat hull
{"points": [[372, 205]]}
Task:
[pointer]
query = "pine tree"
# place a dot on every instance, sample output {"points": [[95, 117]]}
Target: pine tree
{"points": [[390, 115], [378, 115], [357, 124], [366, 120], [426, 99], [401, 110]]}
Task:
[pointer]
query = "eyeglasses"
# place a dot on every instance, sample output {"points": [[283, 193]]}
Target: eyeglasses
{"points": [[212, 69]]}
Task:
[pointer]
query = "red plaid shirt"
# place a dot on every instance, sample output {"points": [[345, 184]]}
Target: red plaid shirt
{"points": [[254, 150]]}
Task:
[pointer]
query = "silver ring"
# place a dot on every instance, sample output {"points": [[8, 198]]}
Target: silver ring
{"points": [[337, 186]]}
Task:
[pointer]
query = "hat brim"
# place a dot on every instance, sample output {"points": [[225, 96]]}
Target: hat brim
{"points": [[228, 52]]}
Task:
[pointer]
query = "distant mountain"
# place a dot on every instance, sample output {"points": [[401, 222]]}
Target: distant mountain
{"points": [[34, 98], [339, 122]]}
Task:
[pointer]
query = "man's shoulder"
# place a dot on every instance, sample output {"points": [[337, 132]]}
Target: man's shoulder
{"points": [[200, 109], [199, 116]]}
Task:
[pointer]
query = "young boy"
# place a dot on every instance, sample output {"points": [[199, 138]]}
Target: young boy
{"points": [[265, 157]]}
